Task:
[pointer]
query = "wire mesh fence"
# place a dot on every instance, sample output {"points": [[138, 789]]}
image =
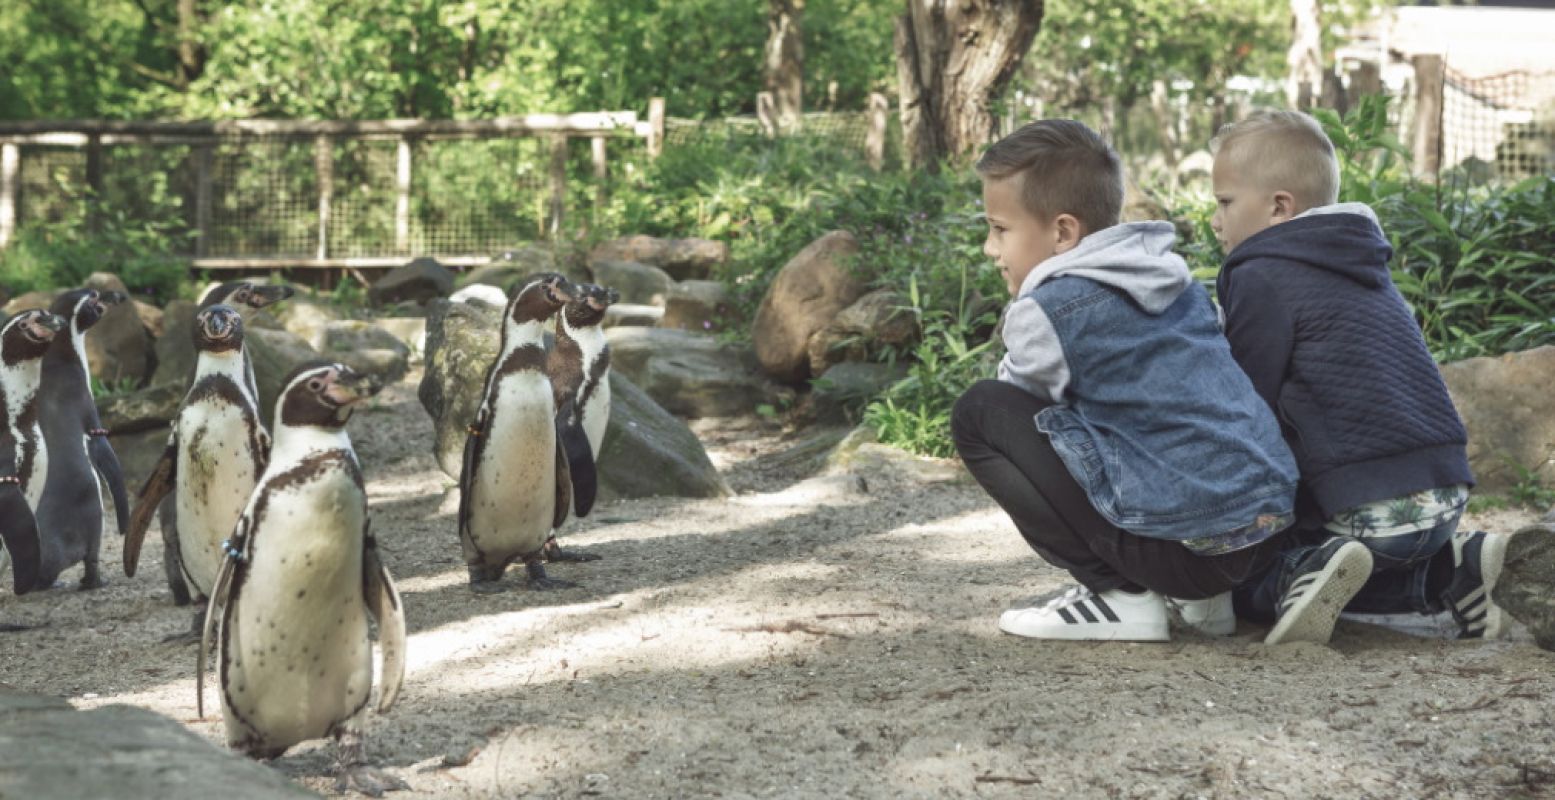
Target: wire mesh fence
{"points": [[1500, 125]]}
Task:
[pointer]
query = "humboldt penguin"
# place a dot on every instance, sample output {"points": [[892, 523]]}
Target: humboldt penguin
{"points": [[215, 454], [70, 512], [514, 487], [579, 366], [245, 293], [23, 457], [299, 580]]}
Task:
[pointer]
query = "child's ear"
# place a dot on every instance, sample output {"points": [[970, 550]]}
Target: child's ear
{"points": [[1284, 207], [1067, 231]]}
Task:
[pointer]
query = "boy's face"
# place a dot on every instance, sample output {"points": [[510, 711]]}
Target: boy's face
{"points": [[1017, 240], [1241, 207]]}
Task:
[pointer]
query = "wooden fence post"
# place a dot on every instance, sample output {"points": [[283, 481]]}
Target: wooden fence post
{"points": [[874, 141], [204, 155], [766, 112], [601, 170], [402, 177], [1365, 79], [10, 165], [324, 170], [553, 222], [655, 126], [1427, 139], [94, 179]]}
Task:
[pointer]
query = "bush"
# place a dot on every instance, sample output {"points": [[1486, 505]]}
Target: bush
{"points": [[52, 255]]}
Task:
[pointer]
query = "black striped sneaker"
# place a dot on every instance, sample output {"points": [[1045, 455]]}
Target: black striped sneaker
{"points": [[1317, 589], [1081, 614], [1477, 558]]}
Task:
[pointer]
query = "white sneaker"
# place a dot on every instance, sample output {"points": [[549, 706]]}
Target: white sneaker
{"points": [[1318, 589], [1212, 616], [1079, 614]]}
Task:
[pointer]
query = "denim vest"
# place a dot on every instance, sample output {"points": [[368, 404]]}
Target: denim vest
{"points": [[1158, 424]]}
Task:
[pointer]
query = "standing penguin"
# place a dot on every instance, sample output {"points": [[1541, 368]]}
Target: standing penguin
{"points": [[23, 457], [301, 577], [70, 512], [579, 366], [234, 293], [215, 454], [514, 487]]}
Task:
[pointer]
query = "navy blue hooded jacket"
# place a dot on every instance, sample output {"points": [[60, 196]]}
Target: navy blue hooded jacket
{"points": [[1314, 319]]}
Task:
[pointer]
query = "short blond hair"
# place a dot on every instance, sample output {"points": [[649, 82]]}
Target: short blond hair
{"points": [[1066, 169], [1282, 151]]}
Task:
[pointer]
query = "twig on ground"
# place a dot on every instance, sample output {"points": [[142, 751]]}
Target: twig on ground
{"points": [[791, 626], [1006, 779], [848, 615]]}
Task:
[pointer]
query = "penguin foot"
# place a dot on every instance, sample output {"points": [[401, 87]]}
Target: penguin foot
{"points": [[87, 584], [370, 781], [554, 552], [11, 627], [487, 587], [187, 637], [540, 582]]}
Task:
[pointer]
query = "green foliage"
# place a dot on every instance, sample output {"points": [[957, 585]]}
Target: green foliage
{"points": [[103, 389], [1529, 491], [58, 254]]}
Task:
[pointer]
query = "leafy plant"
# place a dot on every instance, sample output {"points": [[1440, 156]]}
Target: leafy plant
{"points": [[49, 255], [1529, 491], [113, 388]]}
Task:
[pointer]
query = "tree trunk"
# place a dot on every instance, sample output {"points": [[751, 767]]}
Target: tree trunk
{"points": [[1304, 81], [785, 59], [191, 56], [953, 59]]}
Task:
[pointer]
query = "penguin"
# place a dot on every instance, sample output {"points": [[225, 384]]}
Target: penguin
{"points": [[579, 366], [70, 511], [24, 339], [299, 581], [245, 293], [514, 486], [215, 454]]}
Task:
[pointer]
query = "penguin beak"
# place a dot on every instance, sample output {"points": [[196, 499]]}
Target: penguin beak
{"points": [[350, 387], [54, 323], [562, 291]]}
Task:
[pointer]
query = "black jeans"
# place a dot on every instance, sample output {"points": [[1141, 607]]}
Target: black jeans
{"points": [[995, 432]]}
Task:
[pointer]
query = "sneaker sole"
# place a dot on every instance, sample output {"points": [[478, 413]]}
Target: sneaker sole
{"points": [[1312, 618], [1525, 588], [1093, 632]]}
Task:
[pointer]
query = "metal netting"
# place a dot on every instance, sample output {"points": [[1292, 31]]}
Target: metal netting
{"points": [[1500, 125], [264, 198]]}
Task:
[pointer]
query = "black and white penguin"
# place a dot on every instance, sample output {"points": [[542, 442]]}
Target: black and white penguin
{"points": [[579, 366], [70, 512], [300, 579], [24, 340], [514, 487], [245, 293], [215, 454]]}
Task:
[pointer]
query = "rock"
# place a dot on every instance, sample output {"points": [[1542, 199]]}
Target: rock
{"points": [[646, 451], [698, 306], [879, 320], [637, 282], [275, 354], [366, 348], [51, 751], [307, 317], [683, 259], [632, 315], [861, 454], [410, 330], [842, 391], [511, 266], [175, 348], [150, 318], [119, 349], [649, 453], [481, 293], [806, 294], [1526, 589], [152, 407], [30, 300], [106, 282], [1509, 410], [689, 374], [138, 454], [417, 282]]}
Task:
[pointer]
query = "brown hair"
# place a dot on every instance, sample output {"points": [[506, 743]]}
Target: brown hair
{"points": [[1066, 169], [1282, 151]]}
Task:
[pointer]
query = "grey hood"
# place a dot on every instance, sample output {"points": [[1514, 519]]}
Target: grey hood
{"points": [[1135, 257]]}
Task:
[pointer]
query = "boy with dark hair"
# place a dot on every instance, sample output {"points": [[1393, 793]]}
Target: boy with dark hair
{"points": [[1314, 319], [1121, 437]]}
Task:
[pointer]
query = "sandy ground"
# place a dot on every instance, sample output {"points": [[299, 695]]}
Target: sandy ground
{"points": [[824, 637]]}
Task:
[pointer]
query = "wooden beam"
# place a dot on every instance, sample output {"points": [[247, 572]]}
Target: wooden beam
{"points": [[10, 168], [874, 141], [655, 126], [370, 262], [526, 125], [1427, 135], [601, 170], [402, 177], [324, 172]]}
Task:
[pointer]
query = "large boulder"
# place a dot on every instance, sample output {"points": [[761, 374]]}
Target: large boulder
{"points": [[879, 320], [1509, 409], [22, 302], [410, 330], [1526, 589], [51, 751], [366, 348], [842, 391], [637, 282], [690, 374], [632, 315], [175, 347], [275, 354], [511, 266], [646, 451], [140, 451], [683, 259], [419, 282], [306, 316], [143, 409], [118, 348], [698, 306], [806, 294]]}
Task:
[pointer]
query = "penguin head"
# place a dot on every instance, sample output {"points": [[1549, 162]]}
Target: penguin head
{"points": [[27, 335], [588, 307], [322, 394], [218, 329], [540, 297], [84, 307], [253, 295]]}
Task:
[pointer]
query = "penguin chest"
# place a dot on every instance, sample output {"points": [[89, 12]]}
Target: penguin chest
{"points": [[596, 416], [35, 458], [217, 470], [514, 491], [296, 659]]}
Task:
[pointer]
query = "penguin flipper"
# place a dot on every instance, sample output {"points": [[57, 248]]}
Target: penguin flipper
{"points": [[474, 442], [580, 461], [107, 465], [19, 532], [221, 591], [157, 486], [383, 600], [563, 487]]}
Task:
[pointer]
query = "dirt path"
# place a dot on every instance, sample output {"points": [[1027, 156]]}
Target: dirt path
{"points": [[822, 638]]}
